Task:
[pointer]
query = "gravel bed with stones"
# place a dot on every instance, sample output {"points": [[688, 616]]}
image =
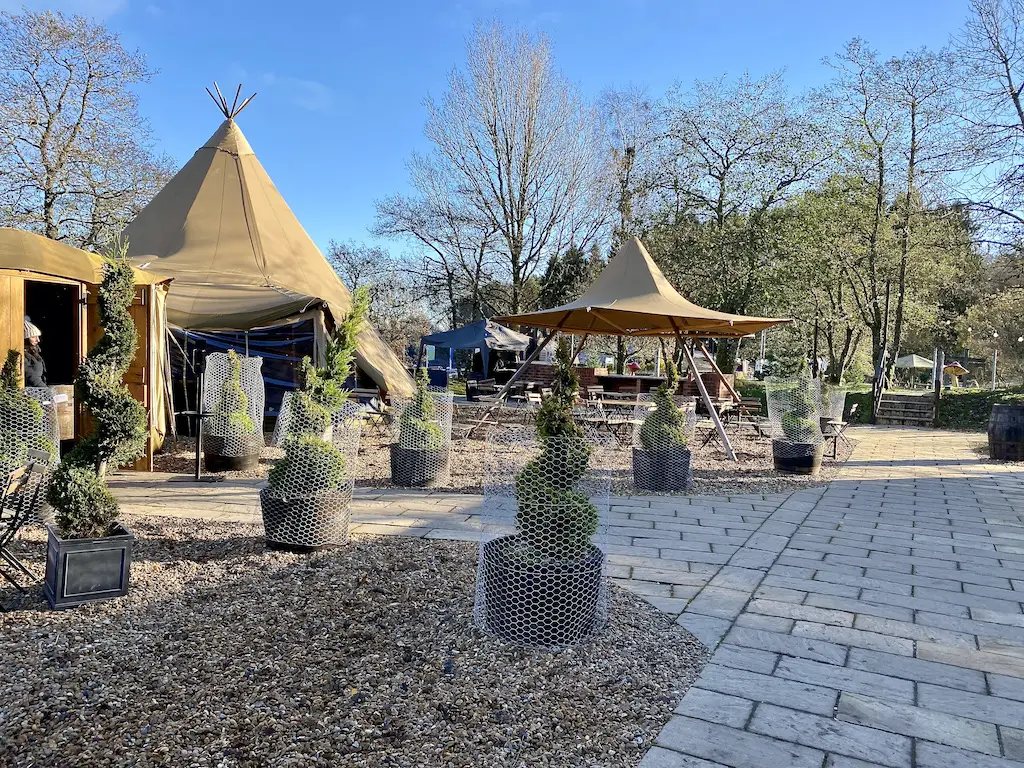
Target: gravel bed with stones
{"points": [[713, 473], [224, 654]]}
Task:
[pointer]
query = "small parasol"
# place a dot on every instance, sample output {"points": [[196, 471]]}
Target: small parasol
{"points": [[955, 369]]}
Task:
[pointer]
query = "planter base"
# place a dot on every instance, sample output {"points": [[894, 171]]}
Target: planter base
{"points": [[80, 571], [540, 604], [666, 471], [245, 453], [418, 468], [306, 525], [797, 458]]}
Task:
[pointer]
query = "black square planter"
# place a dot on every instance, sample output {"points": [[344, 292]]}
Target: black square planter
{"points": [[80, 571]]}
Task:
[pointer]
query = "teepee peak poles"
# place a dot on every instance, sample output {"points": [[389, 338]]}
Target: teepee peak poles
{"points": [[232, 111]]}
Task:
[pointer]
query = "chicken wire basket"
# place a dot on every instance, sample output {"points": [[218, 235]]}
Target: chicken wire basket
{"points": [[350, 411], [833, 403], [30, 423], [233, 396], [421, 438], [663, 429], [540, 573], [794, 417], [307, 503]]}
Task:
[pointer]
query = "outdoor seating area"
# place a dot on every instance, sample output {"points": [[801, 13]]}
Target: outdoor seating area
{"points": [[536, 413]]}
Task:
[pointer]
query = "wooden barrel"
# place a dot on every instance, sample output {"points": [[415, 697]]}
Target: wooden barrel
{"points": [[1006, 432]]}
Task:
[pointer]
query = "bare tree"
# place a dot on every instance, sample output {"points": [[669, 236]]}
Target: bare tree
{"points": [[920, 87], [520, 151], [990, 50], [735, 150], [632, 132], [633, 128], [870, 126], [75, 158], [452, 243], [395, 313]]}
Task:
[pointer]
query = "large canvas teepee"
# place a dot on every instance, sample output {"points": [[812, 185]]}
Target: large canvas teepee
{"points": [[238, 255]]}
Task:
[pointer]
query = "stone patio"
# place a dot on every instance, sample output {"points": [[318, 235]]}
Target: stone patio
{"points": [[876, 621]]}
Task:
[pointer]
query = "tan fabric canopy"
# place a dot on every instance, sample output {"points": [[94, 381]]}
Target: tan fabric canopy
{"points": [[239, 256], [631, 297], [34, 253]]}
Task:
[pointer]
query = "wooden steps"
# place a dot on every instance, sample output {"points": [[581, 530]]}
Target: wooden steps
{"points": [[906, 410]]}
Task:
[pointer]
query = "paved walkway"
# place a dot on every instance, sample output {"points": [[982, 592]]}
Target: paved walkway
{"points": [[873, 622]]}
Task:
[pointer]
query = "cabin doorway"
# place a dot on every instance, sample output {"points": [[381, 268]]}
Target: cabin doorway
{"points": [[54, 308]]}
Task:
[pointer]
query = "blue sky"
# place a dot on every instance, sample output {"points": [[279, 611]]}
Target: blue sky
{"points": [[341, 84]]}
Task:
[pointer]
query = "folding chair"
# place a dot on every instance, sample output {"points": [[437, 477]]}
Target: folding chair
{"points": [[18, 498], [835, 430], [377, 417]]}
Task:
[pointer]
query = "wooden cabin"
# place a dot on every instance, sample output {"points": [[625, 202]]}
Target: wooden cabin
{"points": [[56, 285]]}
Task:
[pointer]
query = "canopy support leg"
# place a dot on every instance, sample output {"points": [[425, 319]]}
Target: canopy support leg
{"points": [[718, 371], [515, 377], [707, 399], [419, 357]]}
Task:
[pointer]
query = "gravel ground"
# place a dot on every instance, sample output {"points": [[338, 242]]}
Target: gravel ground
{"points": [[224, 654], [713, 473]]}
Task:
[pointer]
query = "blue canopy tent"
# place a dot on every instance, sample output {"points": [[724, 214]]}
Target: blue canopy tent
{"points": [[484, 335]]}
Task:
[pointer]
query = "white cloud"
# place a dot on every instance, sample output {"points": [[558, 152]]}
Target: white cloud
{"points": [[307, 94]]}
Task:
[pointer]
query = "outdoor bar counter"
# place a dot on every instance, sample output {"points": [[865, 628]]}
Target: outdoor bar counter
{"points": [[643, 382]]}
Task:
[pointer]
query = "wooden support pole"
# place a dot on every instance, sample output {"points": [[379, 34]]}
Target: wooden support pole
{"points": [[721, 376], [707, 400]]}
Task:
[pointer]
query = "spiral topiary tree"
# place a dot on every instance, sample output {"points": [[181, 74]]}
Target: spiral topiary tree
{"points": [[231, 415], [661, 456], [421, 437], [418, 423], [555, 520], [665, 425], [794, 416], [540, 580], [305, 503], [78, 491]]}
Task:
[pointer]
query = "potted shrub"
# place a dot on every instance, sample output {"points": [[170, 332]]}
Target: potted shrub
{"points": [[661, 461], [306, 502], [542, 584], [419, 458], [88, 553], [231, 441], [797, 443], [22, 421]]}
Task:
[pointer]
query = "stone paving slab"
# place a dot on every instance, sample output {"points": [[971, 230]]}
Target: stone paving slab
{"points": [[877, 621], [896, 593]]}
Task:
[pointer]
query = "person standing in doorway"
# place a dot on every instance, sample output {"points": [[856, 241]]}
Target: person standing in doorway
{"points": [[35, 366]]}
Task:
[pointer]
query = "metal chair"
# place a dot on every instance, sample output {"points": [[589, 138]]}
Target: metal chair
{"points": [[18, 498], [835, 430]]}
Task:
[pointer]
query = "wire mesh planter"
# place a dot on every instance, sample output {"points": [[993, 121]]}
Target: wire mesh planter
{"points": [[833, 403], [421, 438], [540, 573], [662, 436], [233, 395], [794, 414], [307, 504], [29, 422]]}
